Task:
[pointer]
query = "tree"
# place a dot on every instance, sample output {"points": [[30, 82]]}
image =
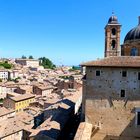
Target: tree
{"points": [[6, 65], [31, 57], [23, 57], [46, 63]]}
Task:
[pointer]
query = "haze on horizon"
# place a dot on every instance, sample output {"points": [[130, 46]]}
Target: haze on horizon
{"points": [[66, 31]]}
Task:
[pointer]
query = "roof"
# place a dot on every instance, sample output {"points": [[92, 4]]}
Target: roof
{"points": [[19, 59], [9, 127], [3, 70], [45, 87], [5, 111], [18, 123], [113, 20], [22, 97], [133, 34], [119, 61]]}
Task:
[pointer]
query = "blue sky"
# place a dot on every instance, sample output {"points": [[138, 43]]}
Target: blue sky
{"points": [[66, 31]]}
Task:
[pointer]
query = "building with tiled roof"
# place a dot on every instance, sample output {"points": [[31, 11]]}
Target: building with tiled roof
{"points": [[18, 102], [120, 61], [111, 87]]}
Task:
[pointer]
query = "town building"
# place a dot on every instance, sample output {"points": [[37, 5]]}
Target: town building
{"points": [[6, 88], [71, 82], [4, 74], [17, 127], [28, 62], [6, 113], [3, 91], [42, 90], [56, 115], [13, 74], [18, 102], [111, 87], [39, 68]]}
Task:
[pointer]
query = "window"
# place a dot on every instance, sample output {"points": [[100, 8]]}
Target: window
{"points": [[138, 75], [124, 73], [134, 52], [113, 44], [137, 118], [97, 73], [113, 31], [122, 93]]}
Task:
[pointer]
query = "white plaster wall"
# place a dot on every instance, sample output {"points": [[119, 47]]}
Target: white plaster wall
{"points": [[32, 63], [3, 92], [46, 92], [3, 75]]}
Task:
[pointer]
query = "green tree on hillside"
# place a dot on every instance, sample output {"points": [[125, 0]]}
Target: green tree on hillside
{"points": [[6, 65], [46, 63]]}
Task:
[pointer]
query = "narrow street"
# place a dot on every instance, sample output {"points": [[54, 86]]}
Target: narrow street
{"points": [[70, 128]]}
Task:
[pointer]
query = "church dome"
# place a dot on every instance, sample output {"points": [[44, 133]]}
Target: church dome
{"points": [[133, 34], [113, 20]]}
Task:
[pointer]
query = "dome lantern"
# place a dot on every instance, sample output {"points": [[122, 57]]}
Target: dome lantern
{"points": [[113, 19]]}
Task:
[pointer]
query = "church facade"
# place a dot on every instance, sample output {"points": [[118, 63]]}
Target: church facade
{"points": [[111, 87]]}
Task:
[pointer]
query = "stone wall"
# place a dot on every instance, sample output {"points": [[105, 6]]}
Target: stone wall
{"points": [[113, 117], [84, 132], [126, 47]]}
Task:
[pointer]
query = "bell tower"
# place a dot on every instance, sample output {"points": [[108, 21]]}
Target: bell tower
{"points": [[112, 37]]}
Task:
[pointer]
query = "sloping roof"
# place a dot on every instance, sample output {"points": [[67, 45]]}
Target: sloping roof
{"points": [[18, 123], [4, 111], [116, 61], [22, 97]]}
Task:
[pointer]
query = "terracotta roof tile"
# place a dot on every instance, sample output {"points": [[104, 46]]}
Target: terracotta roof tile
{"points": [[121, 61]]}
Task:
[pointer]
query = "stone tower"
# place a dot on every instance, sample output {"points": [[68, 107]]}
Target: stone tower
{"points": [[112, 37]]}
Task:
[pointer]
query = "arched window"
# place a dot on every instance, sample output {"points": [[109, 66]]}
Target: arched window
{"points": [[113, 31], [134, 52], [113, 44]]}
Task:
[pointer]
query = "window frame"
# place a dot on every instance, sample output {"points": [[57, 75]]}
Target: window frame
{"points": [[113, 44], [124, 74], [137, 110], [113, 31], [138, 75], [98, 74], [123, 92]]}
